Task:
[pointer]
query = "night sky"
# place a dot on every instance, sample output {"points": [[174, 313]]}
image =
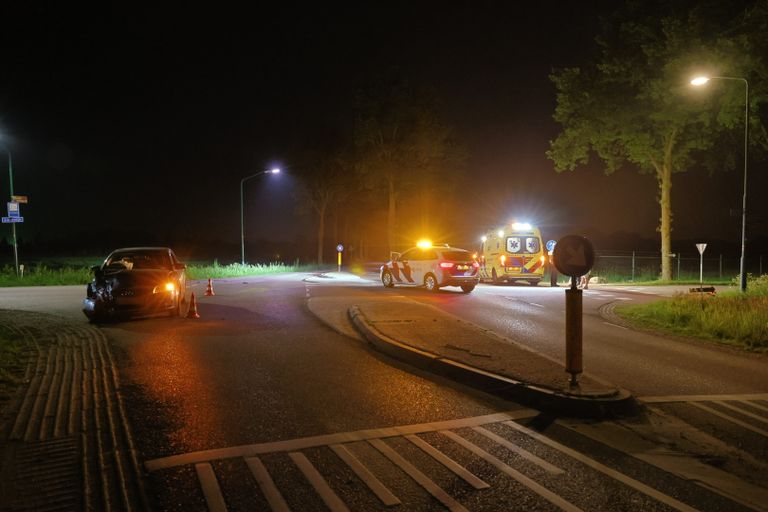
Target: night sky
{"points": [[145, 119]]}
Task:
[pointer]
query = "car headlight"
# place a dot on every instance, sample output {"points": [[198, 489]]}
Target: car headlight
{"points": [[166, 287]]}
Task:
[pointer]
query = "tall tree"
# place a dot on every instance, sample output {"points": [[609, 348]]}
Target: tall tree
{"points": [[401, 144], [633, 105], [327, 180]]}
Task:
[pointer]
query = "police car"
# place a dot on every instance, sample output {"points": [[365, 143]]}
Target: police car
{"points": [[431, 266]]}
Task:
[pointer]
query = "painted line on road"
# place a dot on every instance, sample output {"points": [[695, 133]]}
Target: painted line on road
{"points": [[733, 420], [267, 485], [374, 484], [616, 325], [537, 304], [702, 398], [250, 450], [602, 468], [211, 489], [419, 477], [546, 466], [743, 411], [756, 406], [448, 462], [516, 475], [330, 498]]}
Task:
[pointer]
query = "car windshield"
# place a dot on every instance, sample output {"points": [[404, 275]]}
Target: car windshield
{"points": [[456, 255], [138, 260]]}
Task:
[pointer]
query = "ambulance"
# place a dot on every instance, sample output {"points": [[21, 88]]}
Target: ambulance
{"points": [[512, 253]]}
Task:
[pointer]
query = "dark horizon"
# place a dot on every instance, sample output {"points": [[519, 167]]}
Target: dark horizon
{"points": [[145, 122]]}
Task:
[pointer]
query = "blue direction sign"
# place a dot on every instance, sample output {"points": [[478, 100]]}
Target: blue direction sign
{"points": [[8, 220], [551, 245], [13, 209]]}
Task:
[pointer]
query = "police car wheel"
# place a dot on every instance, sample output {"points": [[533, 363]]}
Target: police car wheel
{"points": [[386, 279], [430, 283]]}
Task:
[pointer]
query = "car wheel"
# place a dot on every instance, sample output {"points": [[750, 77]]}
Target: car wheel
{"points": [[534, 282], [430, 283], [467, 288], [386, 279]]}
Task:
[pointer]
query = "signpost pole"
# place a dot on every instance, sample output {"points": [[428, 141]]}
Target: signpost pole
{"points": [[573, 330], [574, 256], [13, 224]]}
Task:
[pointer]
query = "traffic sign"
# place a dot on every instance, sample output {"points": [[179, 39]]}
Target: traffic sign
{"points": [[19, 199], [574, 255], [10, 220], [13, 209], [701, 248], [551, 245]]}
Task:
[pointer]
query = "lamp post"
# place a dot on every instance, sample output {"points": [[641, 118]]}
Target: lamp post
{"points": [[702, 80], [242, 230], [13, 224]]}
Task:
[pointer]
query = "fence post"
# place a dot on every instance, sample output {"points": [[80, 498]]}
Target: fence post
{"points": [[633, 266]]}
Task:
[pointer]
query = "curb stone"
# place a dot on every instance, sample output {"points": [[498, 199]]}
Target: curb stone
{"points": [[592, 405]]}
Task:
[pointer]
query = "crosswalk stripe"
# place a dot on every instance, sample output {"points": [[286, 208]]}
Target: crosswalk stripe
{"points": [[519, 477], [211, 489], [318, 482], [373, 483], [631, 482], [419, 477], [752, 404], [328, 439], [743, 411], [448, 462], [733, 420], [702, 398], [546, 466], [267, 485]]}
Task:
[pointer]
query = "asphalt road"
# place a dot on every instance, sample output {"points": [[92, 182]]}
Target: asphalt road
{"points": [[646, 364], [258, 404]]}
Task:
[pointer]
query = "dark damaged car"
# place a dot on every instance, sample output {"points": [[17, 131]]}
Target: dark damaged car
{"points": [[136, 281]]}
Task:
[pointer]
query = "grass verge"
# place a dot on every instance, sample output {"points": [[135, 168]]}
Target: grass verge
{"points": [[731, 318], [42, 275]]}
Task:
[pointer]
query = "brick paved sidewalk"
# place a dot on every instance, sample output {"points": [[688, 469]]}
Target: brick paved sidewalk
{"points": [[65, 443]]}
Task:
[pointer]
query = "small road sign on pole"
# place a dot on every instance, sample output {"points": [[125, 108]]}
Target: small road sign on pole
{"points": [[701, 248]]}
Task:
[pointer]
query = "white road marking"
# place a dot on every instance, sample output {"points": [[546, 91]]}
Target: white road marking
{"points": [[537, 304], [742, 411], [373, 483], [318, 482], [448, 462], [616, 325], [420, 478], [733, 420], [250, 450], [267, 485], [756, 406], [702, 398], [546, 466], [519, 477], [631, 482], [211, 489]]}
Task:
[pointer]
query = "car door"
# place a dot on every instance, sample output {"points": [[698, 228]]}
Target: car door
{"points": [[405, 267]]}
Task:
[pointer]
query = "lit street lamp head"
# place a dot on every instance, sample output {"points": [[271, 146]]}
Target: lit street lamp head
{"points": [[700, 80], [274, 171]]}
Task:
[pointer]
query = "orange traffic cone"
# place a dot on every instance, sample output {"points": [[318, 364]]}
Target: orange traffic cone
{"points": [[192, 311], [209, 290]]}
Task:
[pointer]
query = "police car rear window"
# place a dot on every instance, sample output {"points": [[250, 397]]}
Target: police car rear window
{"points": [[456, 255]]}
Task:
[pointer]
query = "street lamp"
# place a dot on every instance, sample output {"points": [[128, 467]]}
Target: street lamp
{"points": [[702, 80], [242, 231], [13, 224]]}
